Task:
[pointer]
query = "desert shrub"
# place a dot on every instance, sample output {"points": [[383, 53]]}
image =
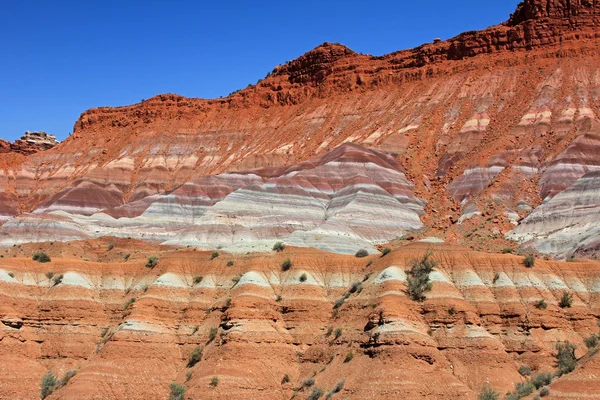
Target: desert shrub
{"points": [[565, 355], [315, 394], [236, 279], [57, 279], [418, 282], [129, 303], [541, 379], [349, 356], [529, 261], [385, 251], [571, 259], [329, 331], [488, 393], [177, 391], [12, 275], [110, 247], [214, 381], [194, 357], [308, 383], [230, 263], [361, 253], [285, 379], [198, 279], [356, 287], [214, 255], [279, 246], [524, 370], [541, 305], [496, 277], [544, 392], [507, 250], [212, 334], [523, 389], [40, 257], [592, 341], [67, 377], [337, 333], [126, 256], [336, 389], [286, 264], [566, 300], [303, 277], [48, 384], [152, 262]]}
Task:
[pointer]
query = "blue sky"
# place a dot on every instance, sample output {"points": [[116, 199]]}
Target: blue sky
{"points": [[59, 58]]}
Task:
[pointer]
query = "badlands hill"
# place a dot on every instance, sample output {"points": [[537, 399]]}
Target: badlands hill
{"points": [[488, 141]]}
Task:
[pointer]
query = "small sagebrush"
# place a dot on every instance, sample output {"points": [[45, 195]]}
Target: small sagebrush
{"points": [[488, 393], [385, 251], [361, 253], [418, 282], [41, 257], [194, 357], [565, 356], [48, 384], [214, 255], [566, 300], [152, 262], [279, 247], [286, 264], [529, 261], [177, 391]]}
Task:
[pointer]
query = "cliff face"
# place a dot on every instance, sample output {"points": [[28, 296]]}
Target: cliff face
{"points": [[338, 320], [486, 126], [30, 143]]}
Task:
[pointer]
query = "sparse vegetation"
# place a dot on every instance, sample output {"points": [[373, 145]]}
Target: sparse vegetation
{"points": [[488, 393], [12, 275], [214, 255], [48, 384], [126, 256], [129, 303], [194, 357], [315, 394], [385, 251], [236, 279], [57, 280], [592, 341], [308, 383], [418, 282], [349, 356], [40, 257], [212, 334], [541, 379], [361, 253], [110, 247], [356, 287], [565, 355], [524, 370], [49, 274], [67, 377], [303, 277], [177, 391], [507, 250], [496, 277], [523, 389], [285, 379], [152, 262], [544, 392], [230, 263], [336, 389], [286, 264], [198, 279], [529, 261], [329, 331], [279, 247], [566, 300], [541, 304], [337, 333], [214, 381]]}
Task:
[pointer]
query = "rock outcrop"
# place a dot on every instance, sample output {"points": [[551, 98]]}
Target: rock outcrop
{"points": [[30, 143]]}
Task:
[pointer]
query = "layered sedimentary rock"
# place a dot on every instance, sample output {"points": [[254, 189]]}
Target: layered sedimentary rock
{"points": [[256, 324], [30, 143], [350, 198]]}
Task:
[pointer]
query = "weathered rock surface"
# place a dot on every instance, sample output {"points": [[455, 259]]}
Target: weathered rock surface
{"points": [[478, 325], [30, 143]]}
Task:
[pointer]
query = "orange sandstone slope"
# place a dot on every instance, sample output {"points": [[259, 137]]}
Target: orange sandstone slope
{"points": [[329, 321], [487, 125]]}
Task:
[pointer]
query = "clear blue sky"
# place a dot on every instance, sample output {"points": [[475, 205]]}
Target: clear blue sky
{"points": [[59, 58]]}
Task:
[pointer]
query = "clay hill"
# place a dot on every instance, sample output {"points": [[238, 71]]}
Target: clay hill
{"points": [[153, 227]]}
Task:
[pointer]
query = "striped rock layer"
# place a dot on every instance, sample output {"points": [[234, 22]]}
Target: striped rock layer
{"points": [[128, 331], [487, 126]]}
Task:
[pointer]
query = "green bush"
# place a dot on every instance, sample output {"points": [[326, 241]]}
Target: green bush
{"points": [[198, 279], [544, 392], [361, 253], [285, 379], [126, 256], [349, 356], [418, 282], [177, 391], [214, 381], [507, 250], [308, 383], [279, 246], [57, 280], [315, 394], [110, 247], [541, 305], [48, 384], [303, 277], [488, 393], [152, 262], [194, 357], [541, 379], [337, 333], [592, 341], [212, 334], [523, 389], [230, 263], [565, 355], [214, 255], [385, 251], [529, 261], [356, 287], [40, 257], [129, 303], [566, 300], [524, 370], [286, 264], [496, 277], [336, 389], [67, 377]]}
